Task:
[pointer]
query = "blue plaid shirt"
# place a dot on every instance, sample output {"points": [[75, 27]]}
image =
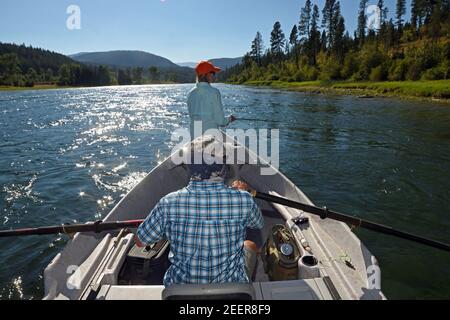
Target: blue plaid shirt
{"points": [[206, 225]]}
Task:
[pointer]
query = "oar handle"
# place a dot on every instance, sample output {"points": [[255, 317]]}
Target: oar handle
{"points": [[324, 213], [97, 227]]}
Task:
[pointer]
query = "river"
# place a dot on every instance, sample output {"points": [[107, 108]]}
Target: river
{"points": [[69, 156]]}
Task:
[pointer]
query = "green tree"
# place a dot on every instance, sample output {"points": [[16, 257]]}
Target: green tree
{"points": [[9, 69], [305, 21], [383, 12], [329, 20], [48, 77], [293, 43], [362, 22], [339, 38], [257, 48], [400, 12], [416, 17], [31, 77], [154, 74], [124, 77], [104, 76], [138, 75], [315, 34], [277, 40], [323, 41], [293, 38], [434, 28], [65, 77]]}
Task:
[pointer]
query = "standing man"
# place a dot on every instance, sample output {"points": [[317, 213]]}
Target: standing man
{"points": [[205, 102]]}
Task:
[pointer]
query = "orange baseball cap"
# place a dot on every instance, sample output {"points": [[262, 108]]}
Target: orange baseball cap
{"points": [[205, 67]]}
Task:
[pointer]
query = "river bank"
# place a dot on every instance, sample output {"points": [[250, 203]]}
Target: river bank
{"points": [[36, 87], [425, 90], [438, 90]]}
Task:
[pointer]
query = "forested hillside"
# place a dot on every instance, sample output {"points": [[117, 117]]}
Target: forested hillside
{"points": [[26, 66], [320, 48]]}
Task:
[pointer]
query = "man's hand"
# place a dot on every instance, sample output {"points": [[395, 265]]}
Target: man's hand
{"points": [[138, 242], [240, 185]]}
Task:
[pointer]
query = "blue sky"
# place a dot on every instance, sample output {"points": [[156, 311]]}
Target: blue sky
{"points": [[181, 30]]}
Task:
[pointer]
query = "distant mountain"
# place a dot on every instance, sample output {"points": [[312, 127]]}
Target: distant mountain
{"points": [[187, 64], [124, 59], [226, 63], [137, 59], [223, 63]]}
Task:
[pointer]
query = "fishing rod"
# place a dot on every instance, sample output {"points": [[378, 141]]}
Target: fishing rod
{"points": [[324, 213], [258, 120], [248, 119]]}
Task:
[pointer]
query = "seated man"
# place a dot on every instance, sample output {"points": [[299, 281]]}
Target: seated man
{"points": [[206, 225]]}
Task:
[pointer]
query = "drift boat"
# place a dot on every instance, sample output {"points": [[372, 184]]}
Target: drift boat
{"points": [[328, 261]]}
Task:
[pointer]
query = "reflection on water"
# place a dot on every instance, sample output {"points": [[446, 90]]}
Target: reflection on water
{"points": [[69, 156]]}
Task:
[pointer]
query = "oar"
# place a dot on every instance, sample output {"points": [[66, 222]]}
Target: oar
{"points": [[324, 213], [96, 227]]}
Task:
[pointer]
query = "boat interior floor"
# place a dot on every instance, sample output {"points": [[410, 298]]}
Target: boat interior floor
{"points": [[271, 218]]}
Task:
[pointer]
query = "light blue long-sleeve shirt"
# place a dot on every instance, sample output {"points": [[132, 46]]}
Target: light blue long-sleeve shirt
{"points": [[205, 105]]}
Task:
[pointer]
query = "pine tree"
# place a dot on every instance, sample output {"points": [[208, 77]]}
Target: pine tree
{"points": [[315, 34], [415, 13], [338, 29], [434, 28], [277, 40], [421, 11], [427, 9], [445, 10], [323, 41], [445, 4], [305, 21], [339, 40], [154, 73], [390, 34], [328, 18], [257, 48], [383, 12], [362, 22], [400, 12], [293, 38]]}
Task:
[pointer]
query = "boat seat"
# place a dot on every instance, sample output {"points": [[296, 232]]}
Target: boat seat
{"points": [[108, 292], [222, 291]]}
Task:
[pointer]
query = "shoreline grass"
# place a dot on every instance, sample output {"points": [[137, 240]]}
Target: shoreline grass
{"points": [[36, 87], [438, 90], [55, 86]]}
